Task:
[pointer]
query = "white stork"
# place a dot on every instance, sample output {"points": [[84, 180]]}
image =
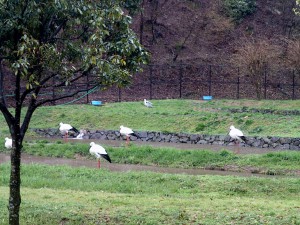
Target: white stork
{"points": [[127, 132], [8, 143], [98, 151], [66, 128], [148, 104], [236, 135]]}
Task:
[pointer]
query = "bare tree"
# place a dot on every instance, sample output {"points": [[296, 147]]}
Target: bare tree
{"points": [[253, 57], [293, 55]]}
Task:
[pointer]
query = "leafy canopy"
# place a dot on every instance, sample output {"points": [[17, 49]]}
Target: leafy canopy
{"points": [[63, 40]]}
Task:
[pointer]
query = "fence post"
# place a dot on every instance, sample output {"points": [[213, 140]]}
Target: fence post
{"points": [[150, 81], [238, 87], [209, 81], [87, 88], [53, 91], [180, 81], [293, 96], [119, 94], [265, 83]]}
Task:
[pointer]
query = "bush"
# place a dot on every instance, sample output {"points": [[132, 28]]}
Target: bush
{"points": [[200, 127], [238, 9]]}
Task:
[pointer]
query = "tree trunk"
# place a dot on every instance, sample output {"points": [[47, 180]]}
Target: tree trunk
{"points": [[2, 96], [15, 184], [142, 23]]}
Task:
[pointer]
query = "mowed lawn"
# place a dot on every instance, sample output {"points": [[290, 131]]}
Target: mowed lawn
{"points": [[65, 195], [68, 195]]}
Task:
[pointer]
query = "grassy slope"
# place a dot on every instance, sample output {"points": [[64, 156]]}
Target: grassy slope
{"points": [[53, 195], [189, 116], [88, 196]]}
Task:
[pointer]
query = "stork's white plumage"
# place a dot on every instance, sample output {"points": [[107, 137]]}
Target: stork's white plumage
{"points": [[237, 135], [8, 143], [98, 151], [148, 103], [65, 128], [81, 134], [127, 132]]}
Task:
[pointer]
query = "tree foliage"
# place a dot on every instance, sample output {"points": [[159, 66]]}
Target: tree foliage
{"points": [[54, 44], [296, 9], [238, 9]]}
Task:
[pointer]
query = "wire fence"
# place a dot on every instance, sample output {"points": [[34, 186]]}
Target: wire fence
{"points": [[193, 82]]}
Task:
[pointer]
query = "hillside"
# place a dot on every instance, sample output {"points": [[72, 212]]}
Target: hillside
{"points": [[197, 32]]}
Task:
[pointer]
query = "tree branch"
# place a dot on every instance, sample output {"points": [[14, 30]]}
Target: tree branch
{"points": [[65, 96], [7, 115]]}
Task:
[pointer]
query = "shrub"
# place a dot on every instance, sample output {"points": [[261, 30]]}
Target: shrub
{"points": [[238, 9], [249, 122], [200, 127]]}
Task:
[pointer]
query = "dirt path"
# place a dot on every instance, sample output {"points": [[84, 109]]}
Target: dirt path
{"points": [[29, 159]]}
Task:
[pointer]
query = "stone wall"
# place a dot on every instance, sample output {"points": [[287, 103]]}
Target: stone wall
{"points": [[151, 136]]}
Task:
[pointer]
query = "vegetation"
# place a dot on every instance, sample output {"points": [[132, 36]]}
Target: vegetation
{"points": [[238, 9], [65, 195], [253, 58], [67, 46], [188, 116], [69, 195], [284, 162]]}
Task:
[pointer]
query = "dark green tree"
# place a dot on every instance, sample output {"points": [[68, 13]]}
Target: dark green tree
{"points": [[53, 45]]}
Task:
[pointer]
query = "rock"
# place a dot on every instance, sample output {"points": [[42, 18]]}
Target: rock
{"points": [[142, 134], [133, 138], [97, 136], [274, 139], [202, 142], [194, 138], [284, 141], [183, 139], [111, 137]]}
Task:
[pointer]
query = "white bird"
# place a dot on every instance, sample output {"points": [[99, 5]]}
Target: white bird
{"points": [[66, 128], [127, 132], [98, 151], [237, 135], [148, 103], [8, 143], [80, 135]]}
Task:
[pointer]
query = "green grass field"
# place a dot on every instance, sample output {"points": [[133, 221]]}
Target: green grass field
{"points": [[68, 195], [65, 195], [189, 116]]}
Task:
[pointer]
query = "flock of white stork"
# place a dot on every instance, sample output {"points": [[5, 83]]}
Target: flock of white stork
{"points": [[99, 152]]}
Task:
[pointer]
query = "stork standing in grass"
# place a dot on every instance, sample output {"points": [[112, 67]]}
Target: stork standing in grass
{"points": [[66, 128], [98, 151], [127, 132], [237, 136], [148, 104], [8, 143]]}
